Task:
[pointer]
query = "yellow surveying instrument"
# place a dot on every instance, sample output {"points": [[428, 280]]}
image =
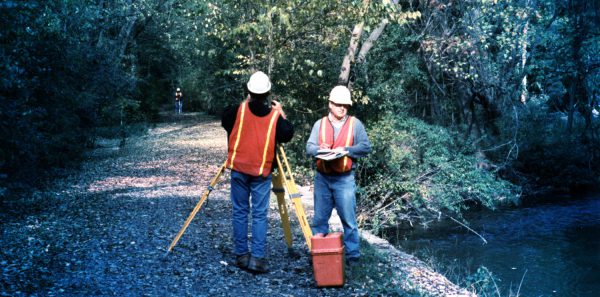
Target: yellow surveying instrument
{"points": [[283, 182]]}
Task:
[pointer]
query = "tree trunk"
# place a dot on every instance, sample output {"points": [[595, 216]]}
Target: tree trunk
{"points": [[577, 91], [351, 52], [344, 77], [364, 49], [101, 25], [124, 35], [523, 98], [349, 57], [435, 108], [571, 108], [271, 58]]}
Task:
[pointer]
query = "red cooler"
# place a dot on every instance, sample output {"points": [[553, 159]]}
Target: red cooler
{"points": [[328, 259]]}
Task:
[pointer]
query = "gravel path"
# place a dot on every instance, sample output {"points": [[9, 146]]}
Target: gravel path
{"points": [[104, 230]]}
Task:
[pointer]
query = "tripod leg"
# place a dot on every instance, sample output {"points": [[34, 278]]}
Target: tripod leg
{"points": [[294, 194], [303, 221], [197, 208], [279, 191]]}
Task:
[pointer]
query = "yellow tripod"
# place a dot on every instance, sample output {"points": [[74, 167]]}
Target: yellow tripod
{"points": [[283, 182]]}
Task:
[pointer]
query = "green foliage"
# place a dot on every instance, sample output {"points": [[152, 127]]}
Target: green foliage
{"points": [[483, 282], [69, 67], [380, 279], [565, 56], [439, 91], [292, 41], [393, 76], [559, 163], [45, 121], [418, 169]]}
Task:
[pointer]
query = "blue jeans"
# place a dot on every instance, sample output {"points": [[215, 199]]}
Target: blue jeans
{"points": [[250, 194], [337, 191], [178, 106]]}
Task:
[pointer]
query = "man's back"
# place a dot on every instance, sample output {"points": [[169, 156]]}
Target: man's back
{"points": [[284, 130]]}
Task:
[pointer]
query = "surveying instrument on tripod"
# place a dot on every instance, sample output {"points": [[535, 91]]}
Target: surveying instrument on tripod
{"points": [[283, 182], [254, 127]]}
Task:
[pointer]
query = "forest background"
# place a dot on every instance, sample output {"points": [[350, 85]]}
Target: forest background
{"points": [[474, 103]]}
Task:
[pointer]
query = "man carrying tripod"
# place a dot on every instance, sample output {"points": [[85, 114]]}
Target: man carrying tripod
{"points": [[253, 129]]}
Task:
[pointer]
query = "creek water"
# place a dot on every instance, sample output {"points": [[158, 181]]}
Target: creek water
{"points": [[550, 249]]}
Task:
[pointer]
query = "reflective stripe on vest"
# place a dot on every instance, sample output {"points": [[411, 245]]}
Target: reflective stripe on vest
{"points": [[252, 142], [345, 138]]}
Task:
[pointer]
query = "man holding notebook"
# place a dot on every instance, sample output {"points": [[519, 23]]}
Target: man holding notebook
{"points": [[336, 141]]}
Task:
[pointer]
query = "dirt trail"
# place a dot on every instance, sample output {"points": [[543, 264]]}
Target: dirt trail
{"points": [[104, 230]]}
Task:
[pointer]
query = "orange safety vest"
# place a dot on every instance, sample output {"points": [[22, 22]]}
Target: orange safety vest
{"points": [[344, 139], [252, 142]]}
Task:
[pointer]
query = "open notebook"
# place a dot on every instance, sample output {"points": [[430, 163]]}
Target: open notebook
{"points": [[327, 154]]}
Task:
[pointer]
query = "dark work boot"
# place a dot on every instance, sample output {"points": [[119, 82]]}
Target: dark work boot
{"points": [[352, 262], [242, 261], [258, 265]]}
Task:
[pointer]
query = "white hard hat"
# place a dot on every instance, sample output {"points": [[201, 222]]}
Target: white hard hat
{"points": [[340, 95], [259, 83], [178, 90]]}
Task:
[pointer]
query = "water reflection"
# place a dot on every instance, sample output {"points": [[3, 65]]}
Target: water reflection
{"points": [[555, 248]]}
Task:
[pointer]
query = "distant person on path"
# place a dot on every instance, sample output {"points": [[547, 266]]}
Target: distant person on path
{"points": [[178, 101], [334, 184], [253, 129]]}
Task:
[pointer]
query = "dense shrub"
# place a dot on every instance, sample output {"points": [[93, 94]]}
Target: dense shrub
{"points": [[548, 158], [63, 75], [417, 170]]}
